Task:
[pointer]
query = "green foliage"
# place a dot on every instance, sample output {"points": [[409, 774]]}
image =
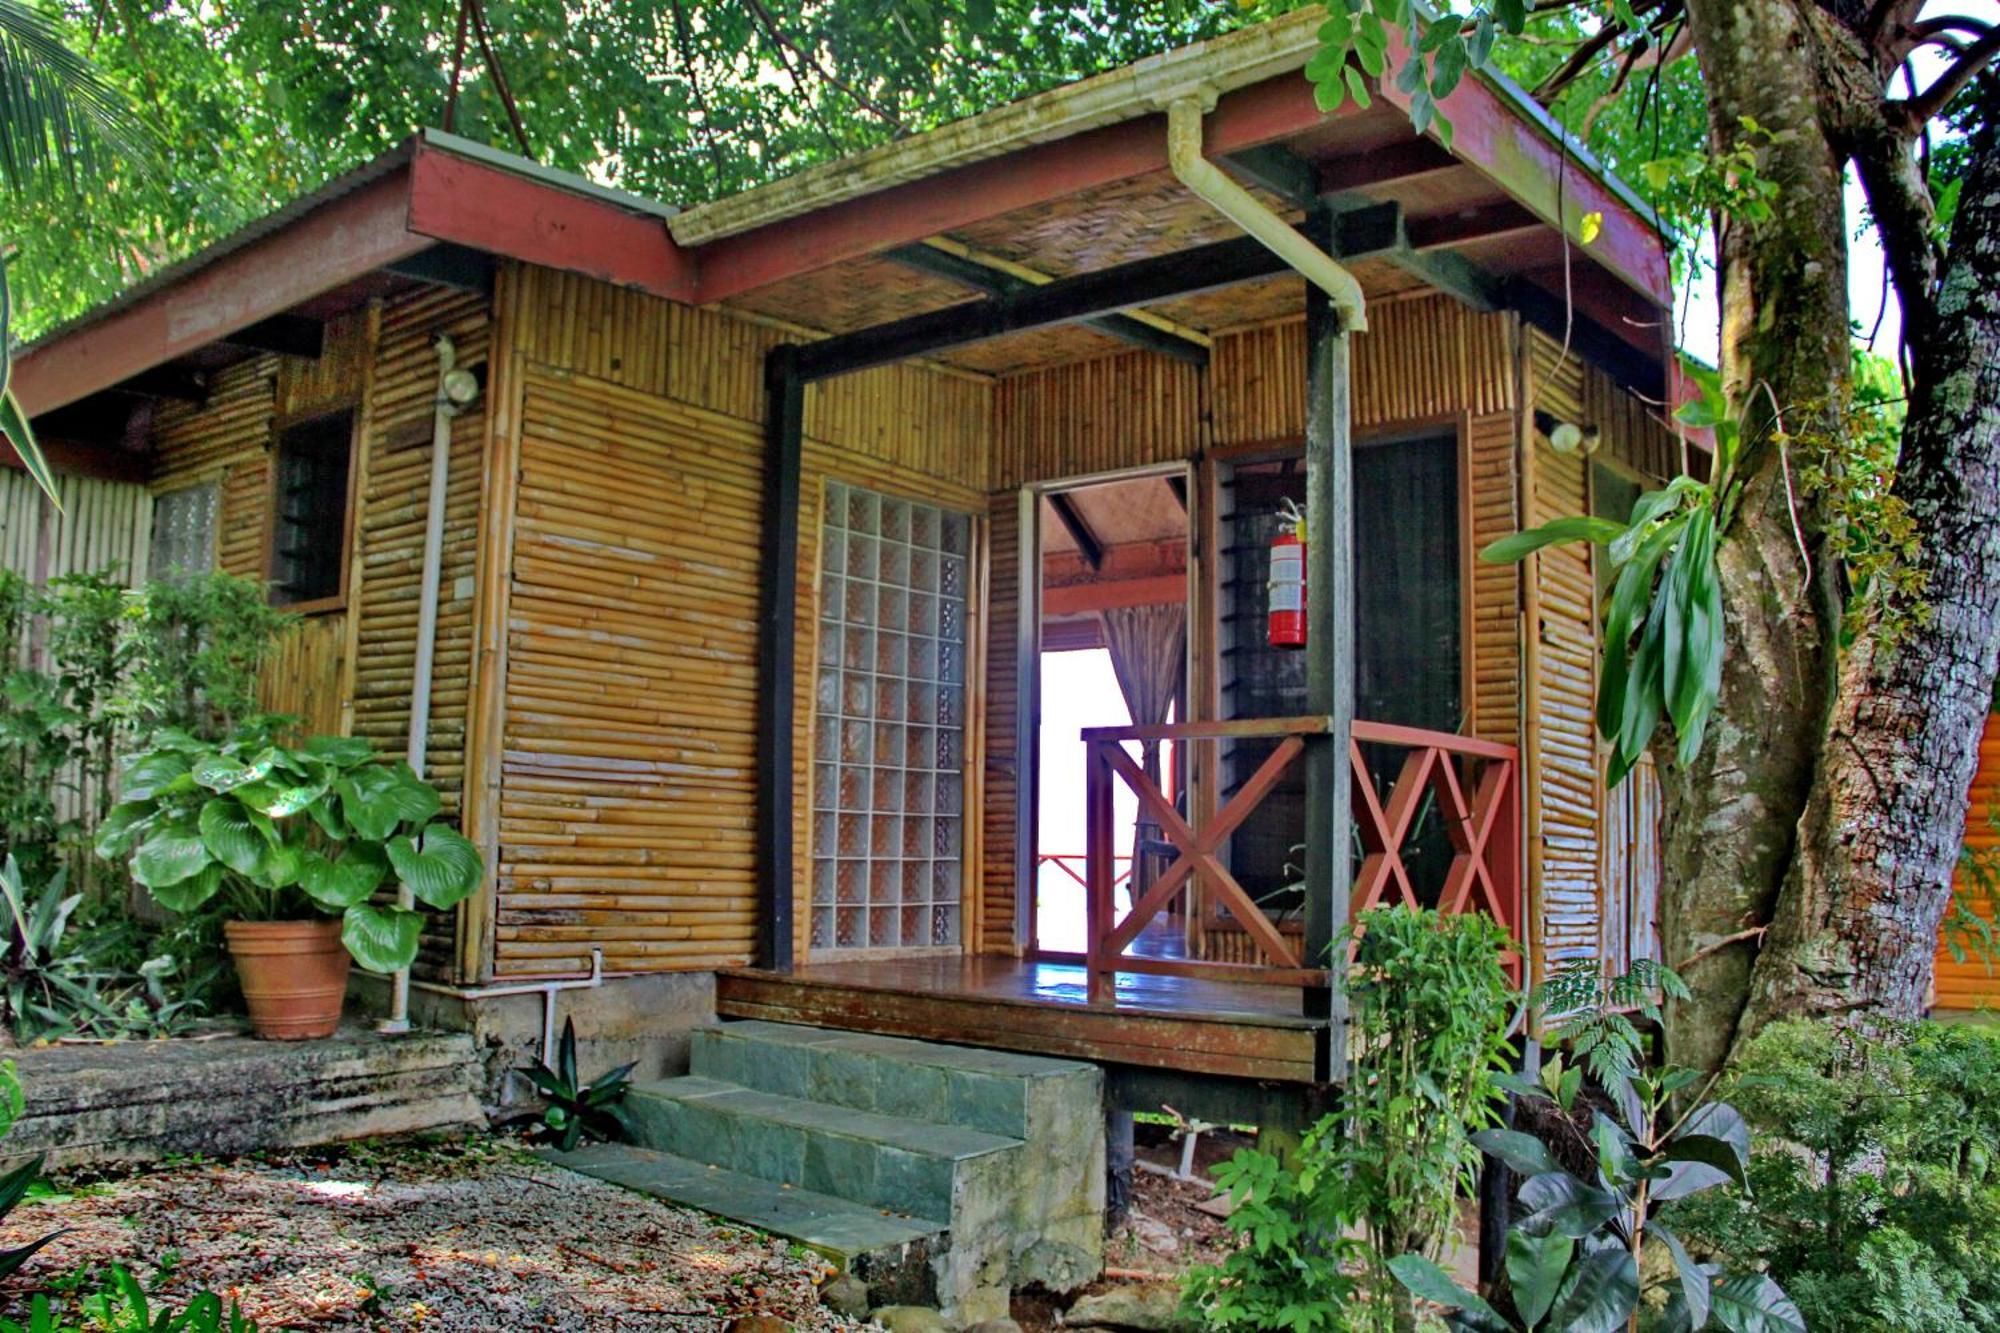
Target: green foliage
{"points": [[14, 1184], [192, 648], [1589, 1015], [1577, 1258], [1431, 1008], [1439, 50], [60, 981], [278, 833], [125, 1308], [1876, 1180], [90, 668], [573, 1110]]}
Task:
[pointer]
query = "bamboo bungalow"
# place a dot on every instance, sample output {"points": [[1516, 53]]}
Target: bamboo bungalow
{"points": [[754, 553]]}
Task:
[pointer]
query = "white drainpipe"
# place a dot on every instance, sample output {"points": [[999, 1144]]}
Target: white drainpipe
{"points": [[456, 388], [1214, 187]]}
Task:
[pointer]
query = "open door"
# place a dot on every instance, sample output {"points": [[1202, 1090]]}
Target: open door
{"points": [[1111, 649]]}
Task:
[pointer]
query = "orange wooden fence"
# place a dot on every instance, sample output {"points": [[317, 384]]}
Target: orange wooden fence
{"points": [[1474, 783]]}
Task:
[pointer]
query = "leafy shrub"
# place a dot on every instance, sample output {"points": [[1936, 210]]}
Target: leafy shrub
{"points": [[124, 1308], [280, 834], [14, 1184], [572, 1110], [1876, 1184], [1431, 1008]]}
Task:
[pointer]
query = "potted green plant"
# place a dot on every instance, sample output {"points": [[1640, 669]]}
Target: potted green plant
{"points": [[296, 843]]}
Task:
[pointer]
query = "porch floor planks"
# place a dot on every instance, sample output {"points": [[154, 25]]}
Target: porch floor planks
{"points": [[1161, 1022]]}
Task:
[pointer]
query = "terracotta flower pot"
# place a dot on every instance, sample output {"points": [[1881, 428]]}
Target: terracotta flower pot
{"points": [[294, 975]]}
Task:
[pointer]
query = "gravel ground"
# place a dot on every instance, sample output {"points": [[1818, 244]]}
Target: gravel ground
{"points": [[473, 1236]]}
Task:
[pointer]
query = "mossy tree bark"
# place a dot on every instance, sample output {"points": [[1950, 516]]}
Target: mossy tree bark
{"points": [[1810, 845]]}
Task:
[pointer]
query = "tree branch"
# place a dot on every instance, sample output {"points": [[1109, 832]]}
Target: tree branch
{"points": [[1921, 109], [1899, 198]]}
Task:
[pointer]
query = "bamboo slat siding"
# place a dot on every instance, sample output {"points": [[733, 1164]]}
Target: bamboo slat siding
{"points": [[225, 441], [1419, 358], [1494, 500], [1564, 777], [1974, 983], [389, 534], [996, 877], [1118, 411], [629, 759], [303, 674], [627, 763], [102, 525]]}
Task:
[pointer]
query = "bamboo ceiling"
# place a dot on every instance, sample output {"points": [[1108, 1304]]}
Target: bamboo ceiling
{"points": [[1364, 158]]}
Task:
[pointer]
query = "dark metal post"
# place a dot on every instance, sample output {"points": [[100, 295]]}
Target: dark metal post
{"points": [[784, 436], [1329, 649]]}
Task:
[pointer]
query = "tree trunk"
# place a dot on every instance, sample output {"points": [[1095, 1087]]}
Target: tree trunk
{"points": [[1732, 815], [1857, 922]]}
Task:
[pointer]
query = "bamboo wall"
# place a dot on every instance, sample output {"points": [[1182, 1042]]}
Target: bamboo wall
{"points": [[348, 670], [1975, 982], [624, 779], [1565, 787], [101, 525]]}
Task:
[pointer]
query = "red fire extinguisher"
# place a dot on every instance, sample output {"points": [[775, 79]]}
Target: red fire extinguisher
{"points": [[1286, 622]]}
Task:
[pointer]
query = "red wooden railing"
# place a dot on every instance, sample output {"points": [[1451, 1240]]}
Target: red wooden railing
{"points": [[1475, 784]]}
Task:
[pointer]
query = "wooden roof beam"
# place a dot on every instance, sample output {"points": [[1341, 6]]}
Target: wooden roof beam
{"points": [[174, 382], [1088, 545], [969, 271], [287, 335], [445, 264]]}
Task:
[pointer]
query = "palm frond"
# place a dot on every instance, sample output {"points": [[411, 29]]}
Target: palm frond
{"points": [[61, 123]]}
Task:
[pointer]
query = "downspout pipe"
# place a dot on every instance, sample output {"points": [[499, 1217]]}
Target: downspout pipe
{"points": [[455, 389], [1213, 186]]}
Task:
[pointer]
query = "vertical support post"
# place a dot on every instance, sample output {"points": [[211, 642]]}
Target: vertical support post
{"points": [[784, 438], [1099, 839], [1329, 652], [1503, 863]]}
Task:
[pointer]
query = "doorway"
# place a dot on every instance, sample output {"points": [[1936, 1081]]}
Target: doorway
{"points": [[1110, 650]]}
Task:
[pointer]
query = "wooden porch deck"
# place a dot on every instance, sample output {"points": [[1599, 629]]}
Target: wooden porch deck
{"points": [[1188, 1025]]}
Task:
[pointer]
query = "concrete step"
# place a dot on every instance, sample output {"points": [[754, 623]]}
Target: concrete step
{"points": [[875, 1244], [999, 1092], [951, 1175]]}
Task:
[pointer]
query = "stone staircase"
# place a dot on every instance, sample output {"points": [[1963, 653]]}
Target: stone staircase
{"points": [[938, 1174]]}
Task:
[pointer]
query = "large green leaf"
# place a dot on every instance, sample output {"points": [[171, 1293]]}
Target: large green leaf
{"points": [[382, 939], [341, 751], [377, 799], [1558, 1201], [1525, 1153], [280, 800], [150, 774], [345, 881], [19, 433], [1535, 1268], [232, 837], [1599, 1295], [191, 892], [120, 829], [1574, 528], [1753, 1303], [1426, 1279], [441, 867], [221, 772], [1694, 1284], [171, 854]]}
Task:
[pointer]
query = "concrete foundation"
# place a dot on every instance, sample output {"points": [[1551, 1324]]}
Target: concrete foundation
{"points": [[647, 1019]]}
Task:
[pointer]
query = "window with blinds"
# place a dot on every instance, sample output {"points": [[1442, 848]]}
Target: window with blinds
{"points": [[309, 527]]}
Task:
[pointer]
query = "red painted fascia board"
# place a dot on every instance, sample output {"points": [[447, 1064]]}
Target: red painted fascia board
{"points": [[346, 239], [1023, 178], [486, 208], [1520, 158]]}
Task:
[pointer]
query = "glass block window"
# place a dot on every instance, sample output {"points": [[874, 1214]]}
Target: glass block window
{"points": [[184, 532], [888, 827]]}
